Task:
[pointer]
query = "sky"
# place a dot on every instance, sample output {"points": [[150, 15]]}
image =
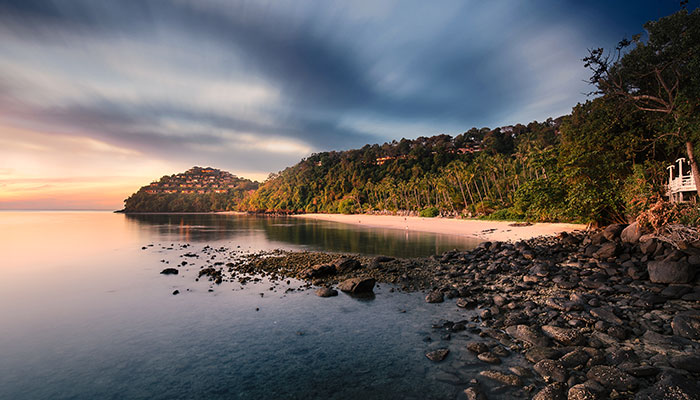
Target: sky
{"points": [[98, 98]]}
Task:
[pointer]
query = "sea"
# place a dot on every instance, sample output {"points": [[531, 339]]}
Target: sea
{"points": [[86, 314]]}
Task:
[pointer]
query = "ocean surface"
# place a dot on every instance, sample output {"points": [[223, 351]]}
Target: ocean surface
{"points": [[86, 314]]}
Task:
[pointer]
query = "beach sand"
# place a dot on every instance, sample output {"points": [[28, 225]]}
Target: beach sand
{"points": [[483, 230]]}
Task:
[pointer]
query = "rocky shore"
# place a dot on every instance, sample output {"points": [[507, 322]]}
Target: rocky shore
{"points": [[605, 314]]}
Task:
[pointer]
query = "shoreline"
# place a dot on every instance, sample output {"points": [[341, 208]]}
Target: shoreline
{"points": [[501, 231]]}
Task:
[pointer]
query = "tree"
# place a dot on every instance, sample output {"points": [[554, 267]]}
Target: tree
{"points": [[658, 76]]}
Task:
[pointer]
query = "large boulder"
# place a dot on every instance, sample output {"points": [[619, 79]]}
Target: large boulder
{"points": [[668, 271], [687, 325], [357, 285], [632, 233], [612, 232]]}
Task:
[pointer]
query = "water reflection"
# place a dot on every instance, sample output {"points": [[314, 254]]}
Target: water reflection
{"points": [[297, 233]]}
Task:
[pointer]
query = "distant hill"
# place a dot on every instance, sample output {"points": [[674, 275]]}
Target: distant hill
{"points": [[195, 190]]}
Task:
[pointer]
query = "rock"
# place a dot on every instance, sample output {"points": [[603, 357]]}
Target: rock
{"points": [[170, 271], [474, 393], [606, 315], [477, 347], [489, 357], [612, 378], [631, 233], [667, 271], [565, 336], [574, 358], [687, 325], [383, 259], [435, 297], [554, 391], [688, 362], [671, 386], [465, 303], [506, 379], [318, 271], [527, 334], [647, 244], [357, 285], [345, 265], [607, 250], [326, 292], [176, 292], [581, 392], [538, 353], [437, 355], [551, 370], [613, 231]]}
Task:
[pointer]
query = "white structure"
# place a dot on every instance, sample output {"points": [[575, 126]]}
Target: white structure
{"points": [[681, 182]]}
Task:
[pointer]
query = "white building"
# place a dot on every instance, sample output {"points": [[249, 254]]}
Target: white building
{"points": [[681, 182]]}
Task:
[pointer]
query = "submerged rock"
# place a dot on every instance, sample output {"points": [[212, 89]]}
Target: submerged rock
{"points": [[170, 271], [437, 355]]}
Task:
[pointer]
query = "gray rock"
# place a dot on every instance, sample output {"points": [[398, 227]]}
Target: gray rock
{"points": [[474, 393], [671, 386], [688, 362], [477, 347], [606, 315], [345, 265], [357, 285], [565, 336], [647, 244], [527, 334], [551, 370], [538, 353], [687, 325], [631, 233], [612, 378], [667, 271], [574, 358], [489, 357]]}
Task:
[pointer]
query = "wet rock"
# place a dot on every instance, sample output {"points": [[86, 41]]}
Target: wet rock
{"points": [[668, 271], [176, 292], [465, 303], [551, 370], [383, 259], [554, 391], [170, 271], [437, 355], [357, 285], [477, 347], [435, 297], [565, 336], [527, 334], [687, 325], [489, 357], [326, 292], [506, 379], [612, 378], [319, 271], [474, 393]]}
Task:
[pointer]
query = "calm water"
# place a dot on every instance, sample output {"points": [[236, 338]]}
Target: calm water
{"points": [[85, 314]]}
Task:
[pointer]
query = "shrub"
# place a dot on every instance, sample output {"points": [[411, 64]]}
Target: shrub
{"points": [[429, 212]]}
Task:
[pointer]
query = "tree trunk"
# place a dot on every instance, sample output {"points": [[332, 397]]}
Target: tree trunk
{"points": [[693, 166]]}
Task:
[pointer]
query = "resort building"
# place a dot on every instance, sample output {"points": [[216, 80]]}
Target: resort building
{"points": [[681, 181]]}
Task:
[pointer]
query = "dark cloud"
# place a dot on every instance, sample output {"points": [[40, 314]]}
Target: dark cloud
{"points": [[448, 67]]}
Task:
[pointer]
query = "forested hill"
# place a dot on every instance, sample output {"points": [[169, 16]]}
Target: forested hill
{"points": [[196, 190]]}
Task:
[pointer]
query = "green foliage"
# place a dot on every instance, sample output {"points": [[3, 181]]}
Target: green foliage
{"points": [[506, 214], [429, 212]]}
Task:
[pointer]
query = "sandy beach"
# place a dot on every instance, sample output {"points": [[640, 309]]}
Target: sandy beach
{"points": [[484, 230]]}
